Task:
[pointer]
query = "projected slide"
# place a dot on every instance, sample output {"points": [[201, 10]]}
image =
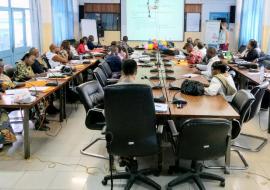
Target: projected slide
{"points": [[149, 19]]}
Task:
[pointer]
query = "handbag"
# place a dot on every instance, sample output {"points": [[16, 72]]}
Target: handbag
{"points": [[6, 132], [192, 87]]}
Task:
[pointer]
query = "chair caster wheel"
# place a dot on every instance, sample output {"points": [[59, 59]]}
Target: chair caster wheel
{"points": [[104, 182], [222, 184]]}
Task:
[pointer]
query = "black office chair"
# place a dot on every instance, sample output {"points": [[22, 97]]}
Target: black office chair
{"points": [[10, 71], [199, 140], [131, 126], [258, 93], [91, 96], [102, 78], [241, 102], [107, 70]]}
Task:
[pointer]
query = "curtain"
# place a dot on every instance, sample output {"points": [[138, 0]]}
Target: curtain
{"points": [[251, 21], [63, 20], [35, 23]]}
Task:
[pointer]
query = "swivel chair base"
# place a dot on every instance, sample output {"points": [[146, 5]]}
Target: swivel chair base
{"points": [[132, 174], [196, 175]]}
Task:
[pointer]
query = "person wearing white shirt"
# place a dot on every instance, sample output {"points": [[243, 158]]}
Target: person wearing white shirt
{"points": [[53, 57], [222, 82], [202, 49], [206, 69]]}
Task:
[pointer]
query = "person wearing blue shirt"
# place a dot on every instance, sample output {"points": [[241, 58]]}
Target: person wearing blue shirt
{"points": [[90, 43], [114, 60]]}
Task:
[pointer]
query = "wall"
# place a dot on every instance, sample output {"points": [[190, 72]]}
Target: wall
{"points": [[46, 29], [207, 7], [266, 28]]}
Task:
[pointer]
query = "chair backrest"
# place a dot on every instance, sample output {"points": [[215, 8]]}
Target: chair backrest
{"points": [[10, 71], [242, 102], [203, 139], [100, 76], [91, 95], [106, 69], [258, 93], [130, 119]]}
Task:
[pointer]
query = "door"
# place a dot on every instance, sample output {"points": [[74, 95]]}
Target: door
{"points": [[15, 30]]}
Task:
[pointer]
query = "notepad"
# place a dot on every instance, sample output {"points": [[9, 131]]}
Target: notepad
{"points": [[159, 107], [16, 91]]}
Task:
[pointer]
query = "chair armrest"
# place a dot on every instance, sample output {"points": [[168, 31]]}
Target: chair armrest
{"points": [[96, 110], [160, 129], [173, 128], [103, 131], [112, 81]]}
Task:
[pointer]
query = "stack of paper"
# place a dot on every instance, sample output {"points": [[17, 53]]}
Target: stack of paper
{"points": [[159, 107]]}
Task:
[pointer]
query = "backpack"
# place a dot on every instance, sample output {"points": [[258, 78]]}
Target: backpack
{"points": [[6, 132], [192, 87]]}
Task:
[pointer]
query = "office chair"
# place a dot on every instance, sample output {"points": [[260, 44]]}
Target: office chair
{"points": [[258, 93], [131, 130], [241, 102], [107, 70], [199, 140], [10, 71], [102, 78], [91, 96]]}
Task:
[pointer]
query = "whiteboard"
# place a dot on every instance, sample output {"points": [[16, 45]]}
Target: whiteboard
{"points": [[212, 28], [89, 27]]}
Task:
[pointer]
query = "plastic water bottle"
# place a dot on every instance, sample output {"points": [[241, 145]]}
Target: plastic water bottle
{"points": [[262, 73], [81, 57]]}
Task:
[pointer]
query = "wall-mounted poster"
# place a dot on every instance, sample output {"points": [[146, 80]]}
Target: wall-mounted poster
{"points": [[193, 22], [220, 16]]}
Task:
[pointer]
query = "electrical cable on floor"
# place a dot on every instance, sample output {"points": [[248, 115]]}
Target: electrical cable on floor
{"points": [[260, 175]]}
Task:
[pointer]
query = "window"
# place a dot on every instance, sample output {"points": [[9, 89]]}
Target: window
{"points": [[109, 21], [20, 4], [18, 28], [4, 31], [28, 28], [3, 3]]}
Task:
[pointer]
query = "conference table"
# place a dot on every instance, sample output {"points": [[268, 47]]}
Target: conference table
{"points": [[197, 106], [7, 101], [254, 77]]}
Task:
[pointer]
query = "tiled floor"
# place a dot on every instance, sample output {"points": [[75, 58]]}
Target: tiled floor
{"points": [[56, 162]]}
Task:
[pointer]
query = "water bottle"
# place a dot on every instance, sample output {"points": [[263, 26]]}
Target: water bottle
{"points": [[262, 73], [81, 57]]}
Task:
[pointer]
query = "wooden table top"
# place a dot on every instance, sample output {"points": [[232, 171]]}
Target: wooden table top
{"points": [[6, 101], [255, 77], [197, 106]]}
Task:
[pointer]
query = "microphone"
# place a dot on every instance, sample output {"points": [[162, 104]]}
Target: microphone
{"points": [[154, 86], [178, 101]]}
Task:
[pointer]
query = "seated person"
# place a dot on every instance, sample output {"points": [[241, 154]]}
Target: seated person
{"points": [[189, 41], [193, 57], [39, 65], [65, 50], [264, 57], [129, 71], [114, 60], [24, 69], [85, 43], [73, 49], [81, 47], [124, 43], [222, 82], [195, 44], [251, 53], [5, 80], [90, 43], [123, 53], [202, 49], [206, 69], [54, 58]]}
